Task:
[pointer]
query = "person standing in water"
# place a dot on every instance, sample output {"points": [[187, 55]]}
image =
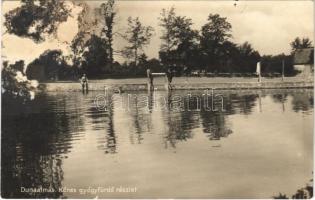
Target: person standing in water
{"points": [[84, 83], [169, 75]]}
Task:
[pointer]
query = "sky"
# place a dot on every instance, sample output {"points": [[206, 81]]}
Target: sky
{"points": [[269, 26]]}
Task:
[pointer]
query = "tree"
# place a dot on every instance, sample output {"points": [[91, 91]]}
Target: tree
{"points": [[143, 60], [273, 64], [137, 36], [78, 47], [217, 29], [229, 57], [187, 38], [90, 54], [50, 65], [176, 31], [155, 65], [247, 58], [179, 41], [109, 14], [34, 21], [246, 49], [167, 19], [95, 56], [15, 86], [299, 43], [86, 41], [213, 35]]}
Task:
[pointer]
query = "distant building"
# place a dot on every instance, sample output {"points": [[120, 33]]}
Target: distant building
{"points": [[304, 62]]}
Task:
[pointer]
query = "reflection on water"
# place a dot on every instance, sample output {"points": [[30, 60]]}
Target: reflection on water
{"points": [[63, 140]]}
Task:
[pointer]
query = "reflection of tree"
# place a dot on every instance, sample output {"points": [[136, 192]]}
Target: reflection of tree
{"points": [[302, 101], [280, 98], [179, 127], [111, 143], [141, 111], [103, 120], [214, 124], [180, 123], [245, 102], [214, 120], [33, 145]]}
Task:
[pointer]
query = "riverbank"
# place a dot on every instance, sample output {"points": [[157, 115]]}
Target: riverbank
{"points": [[181, 83]]}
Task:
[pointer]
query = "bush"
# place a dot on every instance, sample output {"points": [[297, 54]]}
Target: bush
{"points": [[15, 85]]}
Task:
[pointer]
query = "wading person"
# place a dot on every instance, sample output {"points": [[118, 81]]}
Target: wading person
{"points": [[169, 75], [84, 83]]}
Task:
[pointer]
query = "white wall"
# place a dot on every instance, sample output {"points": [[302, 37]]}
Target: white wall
{"points": [[306, 70]]}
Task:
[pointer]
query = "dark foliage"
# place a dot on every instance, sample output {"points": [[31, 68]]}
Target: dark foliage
{"points": [[299, 43], [185, 50], [275, 64], [109, 13], [302, 193], [51, 65], [95, 59], [14, 89], [34, 20], [138, 36]]}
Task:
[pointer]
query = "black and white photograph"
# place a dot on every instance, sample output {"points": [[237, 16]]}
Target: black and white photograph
{"points": [[157, 99]]}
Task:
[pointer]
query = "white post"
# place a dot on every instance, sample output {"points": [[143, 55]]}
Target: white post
{"points": [[149, 80], [258, 71]]}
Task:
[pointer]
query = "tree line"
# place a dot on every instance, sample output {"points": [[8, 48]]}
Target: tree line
{"points": [[183, 48]]}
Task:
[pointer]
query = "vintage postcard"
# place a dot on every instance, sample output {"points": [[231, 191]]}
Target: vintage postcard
{"points": [[138, 99]]}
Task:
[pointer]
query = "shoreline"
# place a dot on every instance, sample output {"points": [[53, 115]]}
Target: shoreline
{"points": [[100, 86]]}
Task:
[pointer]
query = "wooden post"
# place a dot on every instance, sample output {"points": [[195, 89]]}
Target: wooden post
{"points": [[166, 84], [149, 80], [150, 85], [282, 69], [158, 74], [259, 99]]}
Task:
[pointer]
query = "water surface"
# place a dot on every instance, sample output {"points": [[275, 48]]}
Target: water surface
{"points": [[163, 145]]}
